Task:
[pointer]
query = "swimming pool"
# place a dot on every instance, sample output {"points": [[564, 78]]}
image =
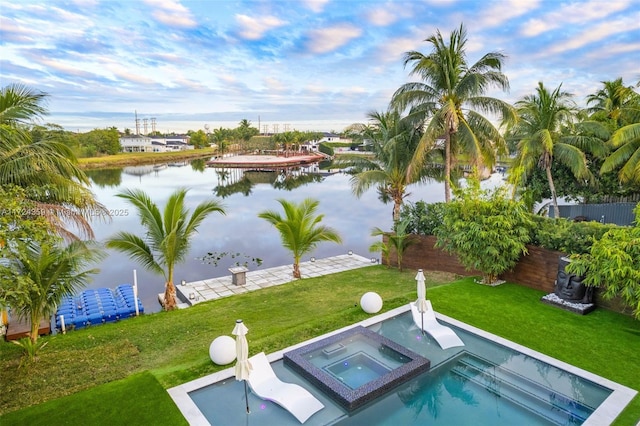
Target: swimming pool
{"points": [[488, 381]]}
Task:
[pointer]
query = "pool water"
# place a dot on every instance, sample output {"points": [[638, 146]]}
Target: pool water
{"points": [[357, 370], [484, 382], [356, 366]]}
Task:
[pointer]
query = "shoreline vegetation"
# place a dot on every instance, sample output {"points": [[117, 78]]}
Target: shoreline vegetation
{"points": [[141, 158]]}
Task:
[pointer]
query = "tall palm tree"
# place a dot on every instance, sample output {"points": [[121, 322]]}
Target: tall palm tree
{"points": [[167, 235], [46, 274], [299, 228], [615, 102], [448, 100], [45, 167], [393, 142], [545, 120]]}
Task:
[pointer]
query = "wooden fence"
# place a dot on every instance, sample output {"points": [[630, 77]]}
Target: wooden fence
{"points": [[537, 269]]}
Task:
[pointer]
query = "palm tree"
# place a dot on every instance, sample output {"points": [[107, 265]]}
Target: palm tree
{"points": [[615, 102], [46, 274], [45, 167], [167, 234], [398, 240], [544, 122], [299, 228], [393, 142], [626, 142], [447, 99]]}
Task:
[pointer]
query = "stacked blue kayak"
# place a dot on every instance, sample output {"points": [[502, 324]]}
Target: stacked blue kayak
{"points": [[98, 306]]}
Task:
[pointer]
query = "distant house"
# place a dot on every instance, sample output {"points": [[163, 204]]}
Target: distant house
{"points": [[139, 143], [332, 137], [136, 143], [172, 143]]}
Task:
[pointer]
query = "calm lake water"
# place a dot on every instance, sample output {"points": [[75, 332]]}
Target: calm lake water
{"points": [[240, 230]]}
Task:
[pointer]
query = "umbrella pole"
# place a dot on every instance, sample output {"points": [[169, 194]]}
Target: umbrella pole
{"points": [[422, 319], [246, 398]]}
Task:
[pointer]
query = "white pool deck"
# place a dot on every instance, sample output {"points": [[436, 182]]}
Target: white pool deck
{"points": [[604, 415], [195, 292]]}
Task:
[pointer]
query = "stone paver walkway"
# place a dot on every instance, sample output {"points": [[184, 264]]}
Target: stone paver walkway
{"points": [[215, 288]]}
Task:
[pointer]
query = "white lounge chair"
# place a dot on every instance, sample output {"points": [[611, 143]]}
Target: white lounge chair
{"points": [[294, 398], [446, 337]]}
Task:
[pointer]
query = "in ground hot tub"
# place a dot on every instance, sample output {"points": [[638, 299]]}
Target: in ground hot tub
{"points": [[356, 366]]}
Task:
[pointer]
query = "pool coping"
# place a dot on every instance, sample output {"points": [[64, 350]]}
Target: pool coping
{"points": [[605, 414]]}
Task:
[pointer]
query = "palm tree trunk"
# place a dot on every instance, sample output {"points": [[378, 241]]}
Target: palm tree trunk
{"points": [[169, 296], [447, 166], [397, 206], [554, 197], [169, 292], [35, 326], [296, 269]]}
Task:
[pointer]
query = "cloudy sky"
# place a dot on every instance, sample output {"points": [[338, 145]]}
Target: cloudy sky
{"points": [[306, 64]]}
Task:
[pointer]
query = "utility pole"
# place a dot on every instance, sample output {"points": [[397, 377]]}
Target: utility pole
{"points": [[137, 124]]}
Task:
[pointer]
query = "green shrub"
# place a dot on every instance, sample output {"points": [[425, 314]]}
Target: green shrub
{"points": [[562, 235], [422, 218], [485, 229], [326, 149], [613, 262], [565, 235]]}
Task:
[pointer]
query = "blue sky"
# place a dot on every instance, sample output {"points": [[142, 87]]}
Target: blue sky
{"points": [[306, 65]]}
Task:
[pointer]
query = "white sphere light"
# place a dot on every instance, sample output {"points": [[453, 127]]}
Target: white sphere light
{"points": [[223, 350], [371, 302]]}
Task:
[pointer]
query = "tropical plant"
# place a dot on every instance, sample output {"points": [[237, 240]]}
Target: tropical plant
{"points": [[45, 167], [615, 103], [486, 229], [614, 264], [398, 240], [30, 349], [423, 217], [167, 235], [299, 228], [448, 99], [544, 131], [34, 281], [626, 143], [393, 142]]}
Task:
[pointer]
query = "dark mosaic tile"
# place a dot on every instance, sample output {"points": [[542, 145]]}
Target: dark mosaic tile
{"points": [[352, 399]]}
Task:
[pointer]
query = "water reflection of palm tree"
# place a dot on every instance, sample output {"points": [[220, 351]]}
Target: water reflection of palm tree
{"points": [[243, 186], [427, 390], [420, 393], [290, 179]]}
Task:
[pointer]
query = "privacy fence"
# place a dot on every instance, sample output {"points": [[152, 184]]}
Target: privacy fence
{"points": [[537, 269]]}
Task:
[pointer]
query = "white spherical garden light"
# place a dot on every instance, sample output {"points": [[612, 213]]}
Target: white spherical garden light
{"points": [[223, 350], [371, 302]]}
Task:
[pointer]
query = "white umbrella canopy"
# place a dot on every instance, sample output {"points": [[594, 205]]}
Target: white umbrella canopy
{"points": [[421, 303], [243, 366]]}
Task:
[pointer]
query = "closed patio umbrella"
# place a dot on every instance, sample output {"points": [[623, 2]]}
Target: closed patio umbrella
{"points": [[421, 303], [243, 366]]}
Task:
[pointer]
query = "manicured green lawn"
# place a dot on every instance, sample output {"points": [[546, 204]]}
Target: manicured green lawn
{"points": [[95, 364]]}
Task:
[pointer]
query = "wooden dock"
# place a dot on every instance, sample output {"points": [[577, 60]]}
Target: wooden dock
{"points": [[19, 328]]}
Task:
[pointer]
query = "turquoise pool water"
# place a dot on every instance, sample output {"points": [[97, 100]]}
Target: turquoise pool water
{"points": [[482, 383]]}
